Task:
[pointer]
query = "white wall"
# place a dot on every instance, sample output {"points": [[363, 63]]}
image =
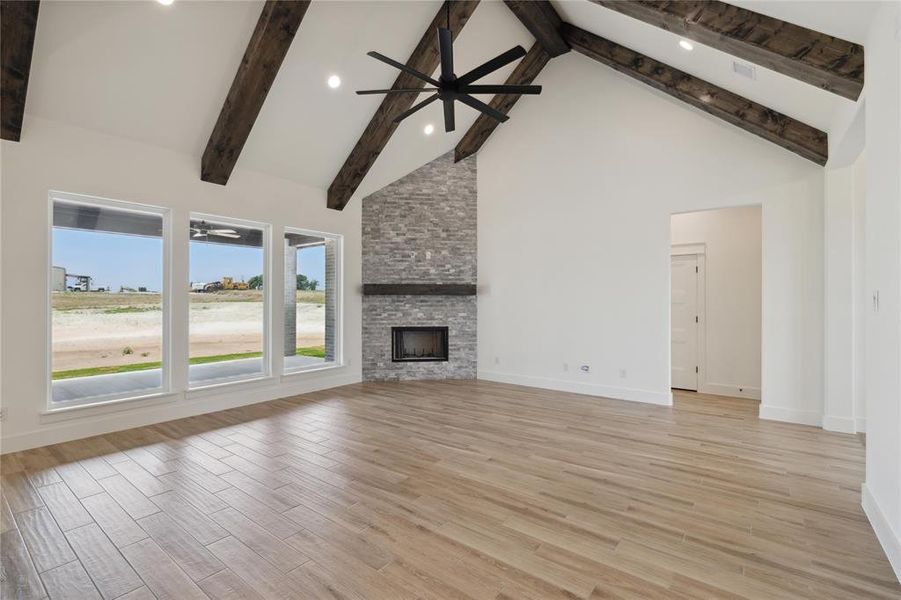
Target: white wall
{"points": [[52, 156], [733, 261], [882, 490], [845, 298], [575, 198], [861, 297]]}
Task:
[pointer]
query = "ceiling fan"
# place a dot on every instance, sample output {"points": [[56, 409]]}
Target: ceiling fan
{"points": [[202, 230], [449, 87]]}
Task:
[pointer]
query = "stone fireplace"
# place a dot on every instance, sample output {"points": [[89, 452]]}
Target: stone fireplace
{"points": [[419, 273]]}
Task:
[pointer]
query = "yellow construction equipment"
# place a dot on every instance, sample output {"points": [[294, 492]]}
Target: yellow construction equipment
{"points": [[229, 283]]}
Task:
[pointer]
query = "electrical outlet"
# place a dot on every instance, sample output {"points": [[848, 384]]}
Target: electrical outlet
{"points": [[585, 369], [565, 367], [622, 374], [3, 414], [497, 360]]}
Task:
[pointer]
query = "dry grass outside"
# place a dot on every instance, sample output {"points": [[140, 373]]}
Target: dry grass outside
{"points": [[141, 301], [98, 330]]}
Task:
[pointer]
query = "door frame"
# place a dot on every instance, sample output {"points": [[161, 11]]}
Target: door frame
{"points": [[700, 251]]}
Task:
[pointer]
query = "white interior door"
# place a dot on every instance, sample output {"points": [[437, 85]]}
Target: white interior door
{"points": [[685, 322]]}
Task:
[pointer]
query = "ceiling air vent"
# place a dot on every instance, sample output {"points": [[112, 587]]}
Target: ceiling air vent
{"points": [[744, 69]]}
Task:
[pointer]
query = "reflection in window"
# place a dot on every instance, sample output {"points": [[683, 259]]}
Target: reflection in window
{"points": [[106, 301], [227, 314], [311, 299]]}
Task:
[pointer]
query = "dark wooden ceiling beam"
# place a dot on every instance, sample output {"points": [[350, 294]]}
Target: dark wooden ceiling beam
{"points": [[18, 24], [822, 60], [542, 21], [381, 127], [524, 73], [271, 39], [804, 140]]}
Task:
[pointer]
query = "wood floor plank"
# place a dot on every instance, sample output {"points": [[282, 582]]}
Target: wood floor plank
{"points": [[118, 526], [19, 492], [78, 479], [70, 582], [189, 554], [189, 518], [45, 542], [97, 467], [165, 580], [40, 465], [262, 515], [128, 496], [225, 585], [202, 499], [142, 593], [109, 570], [66, 509], [7, 521], [280, 554], [146, 483], [448, 489], [18, 577], [259, 573]]}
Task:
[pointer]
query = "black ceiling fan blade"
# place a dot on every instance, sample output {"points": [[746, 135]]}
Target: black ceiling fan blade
{"points": [[415, 107], [403, 67], [397, 91], [446, 48], [482, 107], [492, 65], [501, 89], [449, 122]]}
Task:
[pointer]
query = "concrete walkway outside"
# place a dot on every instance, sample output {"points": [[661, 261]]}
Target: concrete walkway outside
{"points": [[78, 388]]}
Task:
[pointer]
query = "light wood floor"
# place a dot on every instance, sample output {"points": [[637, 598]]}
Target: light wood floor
{"points": [[446, 490]]}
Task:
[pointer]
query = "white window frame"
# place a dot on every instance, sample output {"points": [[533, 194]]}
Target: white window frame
{"points": [[266, 228], [339, 300], [165, 299]]}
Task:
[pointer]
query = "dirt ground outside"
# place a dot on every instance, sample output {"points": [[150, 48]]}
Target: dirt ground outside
{"points": [[99, 329]]}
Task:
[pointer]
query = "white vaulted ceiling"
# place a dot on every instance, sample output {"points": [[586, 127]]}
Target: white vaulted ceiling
{"points": [[159, 74]]}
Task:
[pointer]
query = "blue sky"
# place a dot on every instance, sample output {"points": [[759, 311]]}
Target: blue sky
{"points": [[112, 259], [115, 260]]}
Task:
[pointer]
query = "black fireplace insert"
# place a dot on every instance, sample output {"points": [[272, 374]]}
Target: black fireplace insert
{"points": [[418, 344]]}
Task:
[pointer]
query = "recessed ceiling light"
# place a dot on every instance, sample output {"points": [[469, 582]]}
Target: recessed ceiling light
{"points": [[166, 2], [428, 129], [334, 82], [686, 45]]}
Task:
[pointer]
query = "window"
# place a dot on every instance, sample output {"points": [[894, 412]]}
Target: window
{"points": [[228, 325], [107, 297], [312, 300]]}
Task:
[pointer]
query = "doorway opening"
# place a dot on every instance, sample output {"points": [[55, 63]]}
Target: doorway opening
{"points": [[715, 300]]}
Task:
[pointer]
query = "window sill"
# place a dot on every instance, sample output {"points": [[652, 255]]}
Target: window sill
{"points": [[104, 406], [215, 387], [312, 369]]}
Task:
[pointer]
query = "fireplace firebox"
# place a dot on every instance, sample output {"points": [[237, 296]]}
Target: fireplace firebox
{"points": [[419, 344]]}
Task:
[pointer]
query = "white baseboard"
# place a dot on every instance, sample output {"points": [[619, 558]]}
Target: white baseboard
{"points": [[888, 537], [733, 391], [184, 406], [861, 425], [591, 389], [840, 424], [788, 415]]}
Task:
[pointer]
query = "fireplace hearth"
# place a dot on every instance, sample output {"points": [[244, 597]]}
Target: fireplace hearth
{"points": [[419, 344]]}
